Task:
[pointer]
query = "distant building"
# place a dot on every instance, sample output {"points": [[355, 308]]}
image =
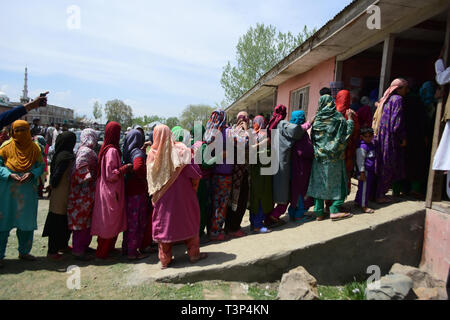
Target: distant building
{"points": [[47, 115]]}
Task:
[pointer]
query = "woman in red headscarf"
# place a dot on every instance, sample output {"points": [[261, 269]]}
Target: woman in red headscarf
{"points": [[342, 105], [109, 216]]}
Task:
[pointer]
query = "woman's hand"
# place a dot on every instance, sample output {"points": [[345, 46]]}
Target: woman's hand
{"points": [[403, 143], [350, 114], [27, 176], [362, 176], [15, 177]]}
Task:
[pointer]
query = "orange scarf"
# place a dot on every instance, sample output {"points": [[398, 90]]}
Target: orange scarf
{"points": [[20, 153]]}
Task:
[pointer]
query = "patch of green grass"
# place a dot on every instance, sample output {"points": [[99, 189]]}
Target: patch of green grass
{"points": [[260, 293], [170, 292], [351, 291], [355, 290]]}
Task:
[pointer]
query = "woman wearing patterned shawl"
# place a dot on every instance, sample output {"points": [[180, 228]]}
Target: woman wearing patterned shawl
{"points": [[328, 180], [20, 166], [261, 203], [176, 215], [390, 136], [288, 134], [109, 216], [221, 178], [82, 194], [136, 196], [240, 186]]}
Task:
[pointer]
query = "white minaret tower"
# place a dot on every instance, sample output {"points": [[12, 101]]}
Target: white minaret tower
{"points": [[24, 98]]}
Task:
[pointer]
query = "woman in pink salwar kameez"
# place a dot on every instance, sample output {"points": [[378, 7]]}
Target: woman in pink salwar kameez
{"points": [[176, 214], [109, 216]]}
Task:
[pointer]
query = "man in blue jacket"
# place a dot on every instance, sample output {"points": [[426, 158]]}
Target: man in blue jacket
{"points": [[10, 116]]}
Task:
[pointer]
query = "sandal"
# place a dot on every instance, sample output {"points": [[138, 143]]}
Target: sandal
{"points": [[27, 257], [84, 257], [341, 216], [383, 200], [201, 256], [261, 230], [55, 257], [150, 250], [166, 266], [274, 222], [220, 237], [237, 234], [138, 257], [368, 210]]}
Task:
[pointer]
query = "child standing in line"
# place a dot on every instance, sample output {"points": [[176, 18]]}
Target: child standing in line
{"points": [[365, 160]]}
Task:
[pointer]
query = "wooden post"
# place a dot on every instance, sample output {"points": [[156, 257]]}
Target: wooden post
{"points": [[386, 64], [435, 178], [338, 70]]}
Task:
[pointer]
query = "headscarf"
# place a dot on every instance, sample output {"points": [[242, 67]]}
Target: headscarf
{"points": [[65, 142], [217, 121], [132, 146], [329, 131], [112, 140], [365, 116], [278, 114], [298, 117], [260, 121], [41, 140], [85, 153], [242, 121], [397, 83], [198, 128], [365, 101], [239, 131], [165, 161], [343, 101], [427, 92], [20, 152], [181, 135]]}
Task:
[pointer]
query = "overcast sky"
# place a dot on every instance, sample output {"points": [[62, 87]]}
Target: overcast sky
{"points": [[157, 56]]}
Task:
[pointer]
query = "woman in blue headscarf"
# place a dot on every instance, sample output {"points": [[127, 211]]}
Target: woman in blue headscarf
{"points": [[302, 155], [289, 134], [136, 196]]}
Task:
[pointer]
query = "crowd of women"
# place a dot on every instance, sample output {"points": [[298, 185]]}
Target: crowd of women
{"points": [[158, 194]]}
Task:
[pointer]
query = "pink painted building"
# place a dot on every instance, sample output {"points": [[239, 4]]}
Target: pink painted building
{"points": [[345, 50], [309, 82]]}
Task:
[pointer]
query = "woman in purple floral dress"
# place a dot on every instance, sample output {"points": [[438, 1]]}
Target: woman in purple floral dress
{"points": [[389, 127]]}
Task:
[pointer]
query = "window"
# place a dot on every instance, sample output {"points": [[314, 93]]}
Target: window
{"points": [[300, 100]]}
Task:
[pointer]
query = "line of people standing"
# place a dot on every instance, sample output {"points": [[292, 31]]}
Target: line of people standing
{"points": [[160, 194]]}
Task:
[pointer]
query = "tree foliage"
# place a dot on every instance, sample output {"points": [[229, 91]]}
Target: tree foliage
{"points": [[142, 121], [172, 122], [97, 110], [119, 111], [195, 112], [257, 51]]}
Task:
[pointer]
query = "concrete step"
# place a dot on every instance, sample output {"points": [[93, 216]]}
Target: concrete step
{"points": [[334, 252]]}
